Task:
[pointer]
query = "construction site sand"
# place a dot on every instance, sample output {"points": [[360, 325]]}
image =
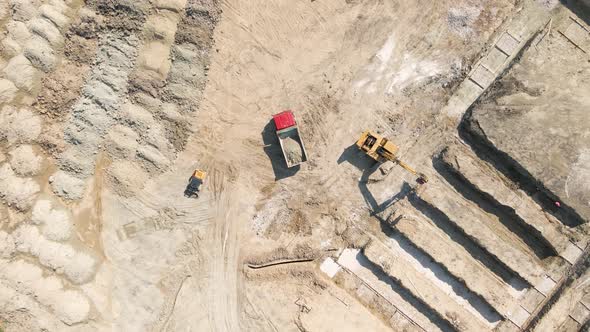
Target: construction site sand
{"points": [[124, 99]]}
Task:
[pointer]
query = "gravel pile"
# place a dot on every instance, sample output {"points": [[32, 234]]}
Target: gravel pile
{"points": [[17, 192], [25, 161]]}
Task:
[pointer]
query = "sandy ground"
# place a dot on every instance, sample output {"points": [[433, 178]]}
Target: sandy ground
{"points": [[122, 100]]}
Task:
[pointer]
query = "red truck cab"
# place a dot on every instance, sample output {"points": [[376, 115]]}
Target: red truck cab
{"points": [[290, 138]]}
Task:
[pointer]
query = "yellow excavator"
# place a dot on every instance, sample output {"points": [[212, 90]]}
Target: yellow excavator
{"points": [[381, 149]]}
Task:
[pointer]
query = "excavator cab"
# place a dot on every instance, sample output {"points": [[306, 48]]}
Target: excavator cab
{"points": [[377, 146], [194, 183], [381, 149]]}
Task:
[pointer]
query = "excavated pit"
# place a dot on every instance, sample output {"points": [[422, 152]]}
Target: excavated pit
{"points": [[506, 215], [472, 134]]}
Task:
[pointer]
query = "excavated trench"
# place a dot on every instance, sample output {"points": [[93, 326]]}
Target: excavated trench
{"points": [[506, 215], [472, 134], [408, 296], [458, 285], [471, 245]]}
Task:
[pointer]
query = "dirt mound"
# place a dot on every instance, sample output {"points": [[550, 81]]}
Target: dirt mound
{"points": [[293, 150]]}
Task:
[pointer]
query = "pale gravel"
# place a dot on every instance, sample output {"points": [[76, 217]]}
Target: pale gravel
{"points": [[67, 185], [56, 223], [11, 125], [25, 161], [70, 306], [40, 211], [7, 91], [58, 227], [78, 267], [4, 10], [7, 246], [17, 192], [22, 73]]}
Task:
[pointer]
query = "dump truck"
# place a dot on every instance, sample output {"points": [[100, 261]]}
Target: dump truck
{"points": [[194, 183], [290, 138], [381, 149]]}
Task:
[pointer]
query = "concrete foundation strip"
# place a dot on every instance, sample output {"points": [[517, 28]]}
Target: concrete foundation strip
{"points": [[381, 296]]}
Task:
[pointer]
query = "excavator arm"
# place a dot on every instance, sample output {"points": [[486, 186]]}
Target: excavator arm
{"points": [[422, 178], [381, 149]]}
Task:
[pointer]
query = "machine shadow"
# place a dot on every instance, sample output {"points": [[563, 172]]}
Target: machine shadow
{"points": [[368, 166], [272, 148], [579, 7], [356, 158]]}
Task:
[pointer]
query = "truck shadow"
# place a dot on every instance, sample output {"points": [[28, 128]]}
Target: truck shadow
{"points": [[272, 148]]}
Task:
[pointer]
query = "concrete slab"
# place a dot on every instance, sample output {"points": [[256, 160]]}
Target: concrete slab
{"points": [[571, 253], [402, 323], [558, 271], [507, 44], [569, 325], [494, 60], [519, 316], [349, 259], [545, 286], [583, 242], [580, 313], [482, 77], [531, 300], [467, 93], [507, 326], [577, 35], [426, 236], [329, 267]]}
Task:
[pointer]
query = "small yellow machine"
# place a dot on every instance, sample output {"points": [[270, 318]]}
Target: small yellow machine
{"points": [[381, 149], [194, 183]]}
